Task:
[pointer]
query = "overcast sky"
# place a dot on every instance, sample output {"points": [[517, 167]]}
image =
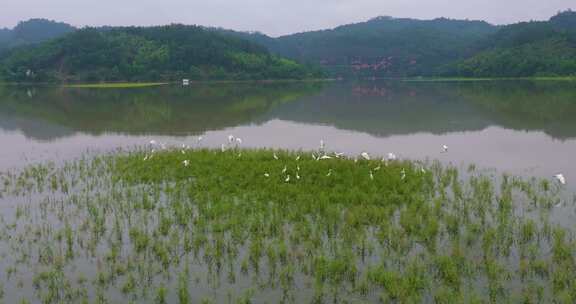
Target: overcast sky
{"points": [[273, 17]]}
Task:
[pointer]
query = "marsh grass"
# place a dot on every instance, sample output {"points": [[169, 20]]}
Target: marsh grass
{"points": [[116, 85], [230, 227]]}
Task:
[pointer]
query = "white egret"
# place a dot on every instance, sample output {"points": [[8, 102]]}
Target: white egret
{"points": [[325, 157], [266, 175], [561, 179], [146, 157], [298, 158], [365, 155], [297, 175], [402, 174], [284, 170], [444, 148], [275, 156], [392, 156], [329, 173], [186, 163], [371, 175], [287, 178], [230, 138]]}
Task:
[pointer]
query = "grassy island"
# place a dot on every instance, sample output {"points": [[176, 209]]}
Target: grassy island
{"points": [[194, 225]]}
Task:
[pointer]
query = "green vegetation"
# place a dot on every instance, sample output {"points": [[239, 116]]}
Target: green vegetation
{"points": [[195, 225], [400, 47], [383, 46], [380, 47], [33, 31], [160, 53], [117, 85], [525, 49]]}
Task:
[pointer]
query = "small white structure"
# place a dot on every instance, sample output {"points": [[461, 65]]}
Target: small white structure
{"points": [[185, 82]]}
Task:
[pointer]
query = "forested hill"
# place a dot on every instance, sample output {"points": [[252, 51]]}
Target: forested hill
{"points": [[383, 46], [33, 31], [525, 49], [380, 47], [147, 53], [391, 47]]}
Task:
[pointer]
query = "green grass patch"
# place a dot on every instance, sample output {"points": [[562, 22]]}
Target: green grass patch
{"points": [[238, 225], [118, 85]]}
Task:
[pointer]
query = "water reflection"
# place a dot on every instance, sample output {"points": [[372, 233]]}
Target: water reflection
{"points": [[50, 113], [380, 109]]}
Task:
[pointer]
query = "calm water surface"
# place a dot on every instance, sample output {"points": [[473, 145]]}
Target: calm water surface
{"points": [[526, 128]]}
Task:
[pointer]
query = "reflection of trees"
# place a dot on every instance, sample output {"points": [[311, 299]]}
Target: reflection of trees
{"points": [[378, 108], [167, 110], [549, 106], [391, 108]]}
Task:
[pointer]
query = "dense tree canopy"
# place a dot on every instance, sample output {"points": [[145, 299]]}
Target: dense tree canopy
{"points": [[390, 47], [33, 31], [148, 53], [381, 47]]}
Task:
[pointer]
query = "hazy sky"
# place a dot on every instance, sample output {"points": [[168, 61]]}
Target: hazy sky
{"points": [[273, 17]]}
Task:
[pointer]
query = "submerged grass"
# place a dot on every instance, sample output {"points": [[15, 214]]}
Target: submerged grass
{"points": [[243, 226], [116, 85]]}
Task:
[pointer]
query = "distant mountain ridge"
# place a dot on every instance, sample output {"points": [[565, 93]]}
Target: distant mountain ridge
{"points": [[159, 53], [378, 48], [33, 31], [402, 47]]}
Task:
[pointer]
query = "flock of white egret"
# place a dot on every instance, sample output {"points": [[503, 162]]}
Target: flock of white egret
{"points": [[235, 142]]}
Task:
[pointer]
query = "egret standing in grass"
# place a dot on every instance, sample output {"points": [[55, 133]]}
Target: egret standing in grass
{"points": [[186, 163], [560, 178], [365, 155]]}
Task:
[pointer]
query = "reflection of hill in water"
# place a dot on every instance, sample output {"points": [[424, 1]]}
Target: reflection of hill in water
{"points": [[164, 111], [396, 108], [386, 109], [378, 108]]}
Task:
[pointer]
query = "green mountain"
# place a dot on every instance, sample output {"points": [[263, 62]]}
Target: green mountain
{"points": [[380, 47], [147, 53], [383, 46], [391, 47], [33, 31], [525, 49]]}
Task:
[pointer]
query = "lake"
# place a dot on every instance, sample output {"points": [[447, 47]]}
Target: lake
{"points": [[520, 127], [239, 230]]}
